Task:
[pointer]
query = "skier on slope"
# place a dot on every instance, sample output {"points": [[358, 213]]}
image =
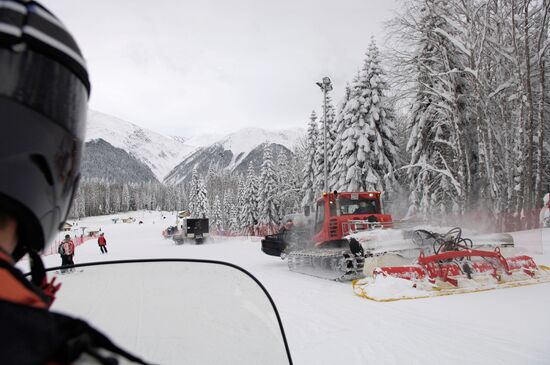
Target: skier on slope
{"points": [[44, 89], [61, 252], [102, 242], [68, 250]]}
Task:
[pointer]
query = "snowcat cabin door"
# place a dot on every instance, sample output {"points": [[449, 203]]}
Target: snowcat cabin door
{"points": [[319, 216]]}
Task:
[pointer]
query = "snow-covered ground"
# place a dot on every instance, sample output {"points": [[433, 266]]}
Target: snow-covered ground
{"points": [[326, 323]]}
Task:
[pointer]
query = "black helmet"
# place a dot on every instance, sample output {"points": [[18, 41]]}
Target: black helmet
{"points": [[44, 91]]}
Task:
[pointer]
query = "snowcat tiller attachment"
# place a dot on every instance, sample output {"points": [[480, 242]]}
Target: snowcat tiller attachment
{"points": [[448, 267], [453, 268]]}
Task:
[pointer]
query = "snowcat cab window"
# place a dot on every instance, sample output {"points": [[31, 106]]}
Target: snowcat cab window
{"points": [[360, 206], [319, 216]]}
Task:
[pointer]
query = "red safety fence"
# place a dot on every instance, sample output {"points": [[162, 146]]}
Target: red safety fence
{"points": [[259, 230]]}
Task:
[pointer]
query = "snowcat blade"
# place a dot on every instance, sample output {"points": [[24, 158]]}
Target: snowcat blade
{"points": [[274, 245], [332, 264]]}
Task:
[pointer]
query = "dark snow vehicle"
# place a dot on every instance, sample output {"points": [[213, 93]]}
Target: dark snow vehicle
{"points": [[170, 232], [196, 229]]}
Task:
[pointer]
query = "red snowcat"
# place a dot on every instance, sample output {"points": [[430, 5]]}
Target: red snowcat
{"points": [[339, 245], [336, 216]]}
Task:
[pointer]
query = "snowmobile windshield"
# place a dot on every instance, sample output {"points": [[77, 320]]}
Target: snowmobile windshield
{"points": [[358, 206], [175, 311]]}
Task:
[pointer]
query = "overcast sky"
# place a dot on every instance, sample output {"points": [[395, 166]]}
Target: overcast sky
{"points": [[184, 67]]}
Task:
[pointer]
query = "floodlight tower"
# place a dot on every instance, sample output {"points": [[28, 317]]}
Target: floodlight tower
{"points": [[326, 86]]}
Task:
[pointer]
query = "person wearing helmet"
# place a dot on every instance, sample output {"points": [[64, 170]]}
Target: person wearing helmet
{"points": [[68, 251], [365, 208], [289, 224], [44, 91]]}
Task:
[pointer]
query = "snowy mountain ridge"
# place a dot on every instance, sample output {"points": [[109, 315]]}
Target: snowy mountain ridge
{"points": [[160, 153], [244, 141], [163, 154], [205, 139], [235, 152]]}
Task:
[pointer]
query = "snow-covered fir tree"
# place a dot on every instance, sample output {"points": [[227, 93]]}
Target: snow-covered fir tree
{"points": [[107, 194], [269, 204], [283, 172], [241, 201], [198, 199], [478, 81], [368, 150], [125, 198], [436, 142], [308, 174], [101, 196], [116, 203], [216, 215], [249, 213], [339, 126], [193, 191], [319, 165], [228, 203], [234, 226], [201, 203], [384, 151]]}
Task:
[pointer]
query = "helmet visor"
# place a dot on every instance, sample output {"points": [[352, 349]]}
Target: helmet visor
{"points": [[45, 86]]}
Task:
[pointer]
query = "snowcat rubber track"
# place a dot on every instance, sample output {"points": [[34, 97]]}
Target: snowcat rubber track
{"points": [[329, 263]]}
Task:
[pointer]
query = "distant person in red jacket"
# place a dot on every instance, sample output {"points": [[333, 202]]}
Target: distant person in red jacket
{"points": [[102, 242]]}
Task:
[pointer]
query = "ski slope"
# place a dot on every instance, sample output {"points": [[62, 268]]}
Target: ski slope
{"points": [[325, 323]]}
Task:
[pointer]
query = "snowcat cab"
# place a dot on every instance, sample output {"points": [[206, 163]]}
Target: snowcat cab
{"points": [[340, 214]]}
